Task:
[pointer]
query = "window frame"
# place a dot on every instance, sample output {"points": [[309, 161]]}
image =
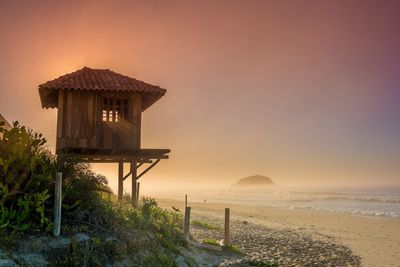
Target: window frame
{"points": [[114, 109]]}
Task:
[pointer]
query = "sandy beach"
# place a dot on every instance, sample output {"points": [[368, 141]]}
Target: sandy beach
{"points": [[374, 240]]}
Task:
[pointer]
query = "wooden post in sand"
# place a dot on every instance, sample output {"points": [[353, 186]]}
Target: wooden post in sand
{"points": [[186, 223], [226, 232], [57, 204], [185, 201]]}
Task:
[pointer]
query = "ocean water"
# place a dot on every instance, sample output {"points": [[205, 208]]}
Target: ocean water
{"points": [[365, 201]]}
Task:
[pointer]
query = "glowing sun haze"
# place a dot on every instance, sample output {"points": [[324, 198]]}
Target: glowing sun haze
{"points": [[306, 92]]}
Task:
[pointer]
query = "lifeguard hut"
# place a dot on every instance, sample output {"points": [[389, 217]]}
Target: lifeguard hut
{"points": [[99, 119]]}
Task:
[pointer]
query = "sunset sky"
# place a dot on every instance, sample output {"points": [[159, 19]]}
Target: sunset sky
{"points": [[306, 92]]}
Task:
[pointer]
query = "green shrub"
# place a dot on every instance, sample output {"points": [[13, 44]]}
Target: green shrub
{"points": [[160, 259], [234, 249], [211, 241], [95, 252], [205, 225], [87, 198], [161, 222], [26, 171]]}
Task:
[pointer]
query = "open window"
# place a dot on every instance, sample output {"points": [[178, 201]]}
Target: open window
{"points": [[115, 109]]}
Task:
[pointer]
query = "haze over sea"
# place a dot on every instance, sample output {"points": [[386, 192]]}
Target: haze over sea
{"points": [[360, 201]]}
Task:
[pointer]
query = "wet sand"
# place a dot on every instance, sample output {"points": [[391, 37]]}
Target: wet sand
{"points": [[375, 239]]}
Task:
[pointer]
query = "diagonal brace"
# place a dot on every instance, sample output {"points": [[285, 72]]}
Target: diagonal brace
{"points": [[127, 175], [130, 172], [148, 168]]}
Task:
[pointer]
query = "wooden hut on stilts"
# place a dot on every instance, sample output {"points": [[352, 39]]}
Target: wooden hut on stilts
{"points": [[99, 119]]}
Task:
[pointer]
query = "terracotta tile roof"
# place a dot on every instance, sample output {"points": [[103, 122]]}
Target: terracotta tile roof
{"points": [[98, 80]]}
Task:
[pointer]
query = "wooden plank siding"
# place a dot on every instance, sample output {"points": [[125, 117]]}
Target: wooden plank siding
{"points": [[80, 124]]}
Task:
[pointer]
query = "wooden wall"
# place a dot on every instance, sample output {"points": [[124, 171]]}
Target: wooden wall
{"points": [[80, 125]]}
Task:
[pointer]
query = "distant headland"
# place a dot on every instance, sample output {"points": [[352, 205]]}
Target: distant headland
{"points": [[255, 180]]}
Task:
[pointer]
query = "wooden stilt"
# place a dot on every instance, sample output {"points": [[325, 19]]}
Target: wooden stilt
{"points": [[137, 193], [134, 183], [120, 180]]}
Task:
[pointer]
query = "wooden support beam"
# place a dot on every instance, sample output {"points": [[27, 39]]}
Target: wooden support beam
{"points": [[116, 160], [137, 193], [140, 164], [120, 180], [148, 168], [134, 183], [143, 162]]}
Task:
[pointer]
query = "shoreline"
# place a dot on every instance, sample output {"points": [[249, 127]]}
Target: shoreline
{"points": [[375, 239]]}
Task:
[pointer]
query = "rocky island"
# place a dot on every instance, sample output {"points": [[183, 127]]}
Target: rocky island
{"points": [[255, 180]]}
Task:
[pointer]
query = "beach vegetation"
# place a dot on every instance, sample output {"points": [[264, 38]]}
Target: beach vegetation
{"points": [[26, 183], [211, 241], [214, 242], [205, 225], [27, 171], [234, 249]]}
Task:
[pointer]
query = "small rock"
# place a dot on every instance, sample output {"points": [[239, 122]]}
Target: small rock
{"points": [[7, 263], [181, 261], [81, 237], [33, 260], [57, 245]]}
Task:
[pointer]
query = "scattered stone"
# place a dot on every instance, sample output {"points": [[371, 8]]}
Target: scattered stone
{"points": [[286, 247]]}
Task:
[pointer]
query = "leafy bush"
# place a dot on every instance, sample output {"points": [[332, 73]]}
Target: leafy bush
{"points": [[162, 223], [95, 252], [86, 196], [26, 169]]}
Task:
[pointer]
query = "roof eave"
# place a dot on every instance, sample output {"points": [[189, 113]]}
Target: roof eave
{"points": [[48, 97]]}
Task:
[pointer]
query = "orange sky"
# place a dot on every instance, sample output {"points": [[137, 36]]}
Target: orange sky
{"points": [[306, 92]]}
